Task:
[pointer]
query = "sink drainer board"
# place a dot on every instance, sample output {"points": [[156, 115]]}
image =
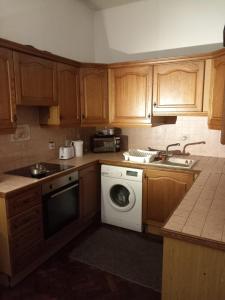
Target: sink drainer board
{"points": [[124, 253]]}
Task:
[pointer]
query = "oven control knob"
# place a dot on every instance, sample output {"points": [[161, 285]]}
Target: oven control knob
{"points": [[70, 178]]}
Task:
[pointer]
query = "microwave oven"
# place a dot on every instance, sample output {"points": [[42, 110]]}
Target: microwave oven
{"points": [[107, 143]]}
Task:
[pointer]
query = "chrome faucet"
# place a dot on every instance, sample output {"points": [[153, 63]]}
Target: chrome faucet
{"points": [[171, 145], [189, 144]]}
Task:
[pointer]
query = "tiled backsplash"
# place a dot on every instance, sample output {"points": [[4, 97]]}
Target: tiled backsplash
{"points": [[15, 154], [194, 128]]}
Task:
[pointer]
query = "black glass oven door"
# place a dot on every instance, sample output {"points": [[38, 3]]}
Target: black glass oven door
{"points": [[60, 208]]}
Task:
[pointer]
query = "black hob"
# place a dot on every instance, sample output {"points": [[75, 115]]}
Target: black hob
{"points": [[48, 168]]}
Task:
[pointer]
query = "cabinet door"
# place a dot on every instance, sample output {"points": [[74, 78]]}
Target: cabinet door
{"points": [[35, 80], [163, 192], [94, 96], [68, 92], [89, 191], [178, 88], [130, 92], [217, 92], [7, 90]]}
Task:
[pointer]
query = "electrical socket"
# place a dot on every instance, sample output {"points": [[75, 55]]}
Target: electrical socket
{"points": [[51, 145], [185, 137]]}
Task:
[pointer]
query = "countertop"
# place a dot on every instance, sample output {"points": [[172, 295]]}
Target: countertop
{"points": [[12, 183], [200, 217]]}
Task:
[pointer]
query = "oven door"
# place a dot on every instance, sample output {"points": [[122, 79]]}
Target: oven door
{"points": [[60, 208]]}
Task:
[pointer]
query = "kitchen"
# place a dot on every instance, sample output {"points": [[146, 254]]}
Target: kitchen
{"points": [[34, 143]]}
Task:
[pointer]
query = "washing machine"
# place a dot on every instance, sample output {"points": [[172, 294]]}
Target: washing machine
{"points": [[121, 197]]}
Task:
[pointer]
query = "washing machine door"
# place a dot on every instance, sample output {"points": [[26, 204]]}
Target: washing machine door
{"points": [[122, 197]]}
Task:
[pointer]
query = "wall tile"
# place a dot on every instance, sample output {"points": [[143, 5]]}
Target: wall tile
{"points": [[194, 128], [20, 153]]}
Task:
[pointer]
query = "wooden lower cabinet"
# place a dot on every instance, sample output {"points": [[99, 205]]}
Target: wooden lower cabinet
{"points": [[21, 230], [89, 178], [192, 271], [163, 191]]}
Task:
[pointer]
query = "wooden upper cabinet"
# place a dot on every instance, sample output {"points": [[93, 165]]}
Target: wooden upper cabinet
{"points": [[35, 80], [7, 90], [163, 190], [217, 95], [68, 94], [130, 95], [178, 88], [94, 96]]}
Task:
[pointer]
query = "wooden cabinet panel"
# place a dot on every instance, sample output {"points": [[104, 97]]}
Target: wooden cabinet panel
{"points": [[7, 90], [67, 112], [94, 96], [21, 230], [20, 262], [35, 80], [27, 238], [89, 191], [130, 92], [22, 201], [178, 87], [163, 192], [25, 220], [217, 96], [68, 87]]}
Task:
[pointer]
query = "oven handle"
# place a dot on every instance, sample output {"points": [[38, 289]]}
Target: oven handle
{"points": [[65, 190]]}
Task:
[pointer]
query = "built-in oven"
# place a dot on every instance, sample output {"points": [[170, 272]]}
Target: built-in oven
{"points": [[60, 203]]}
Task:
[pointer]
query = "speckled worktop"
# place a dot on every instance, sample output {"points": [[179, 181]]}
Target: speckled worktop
{"points": [[200, 217], [11, 183], [201, 214]]}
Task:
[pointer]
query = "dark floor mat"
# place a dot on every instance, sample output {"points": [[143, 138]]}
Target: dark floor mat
{"points": [[123, 253]]}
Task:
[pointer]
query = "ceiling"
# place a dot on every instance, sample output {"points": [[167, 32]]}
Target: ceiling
{"points": [[102, 4]]}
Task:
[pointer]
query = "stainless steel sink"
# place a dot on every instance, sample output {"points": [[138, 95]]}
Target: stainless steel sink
{"points": [[174, 162]]}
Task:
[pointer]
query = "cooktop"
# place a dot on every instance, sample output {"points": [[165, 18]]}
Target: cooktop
{"points": [[39, 170]]}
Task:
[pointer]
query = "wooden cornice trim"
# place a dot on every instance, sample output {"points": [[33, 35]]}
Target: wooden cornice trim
{"points": [[201, 56], [28, 49], [93, 65]]}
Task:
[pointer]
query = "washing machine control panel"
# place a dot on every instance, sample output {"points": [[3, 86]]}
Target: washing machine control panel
{"points": [[121, 172], [132, 173]]}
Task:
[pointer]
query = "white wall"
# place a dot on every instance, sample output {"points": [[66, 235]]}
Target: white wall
{"points": [[154, 25], [64, 27]]}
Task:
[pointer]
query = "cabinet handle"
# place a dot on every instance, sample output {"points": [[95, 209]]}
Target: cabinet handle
{"points": [[83, 116], [154, 104], [149, 115], [15, 118]]}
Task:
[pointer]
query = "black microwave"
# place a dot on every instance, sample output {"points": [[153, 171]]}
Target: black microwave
{"points": [[107, 143]]}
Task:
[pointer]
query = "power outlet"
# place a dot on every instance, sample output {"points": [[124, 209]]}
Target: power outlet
{"points": [[51, 145], [185, 137]]}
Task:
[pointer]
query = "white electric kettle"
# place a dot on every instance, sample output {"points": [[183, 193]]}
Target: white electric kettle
{"points": [[78, 147]]}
